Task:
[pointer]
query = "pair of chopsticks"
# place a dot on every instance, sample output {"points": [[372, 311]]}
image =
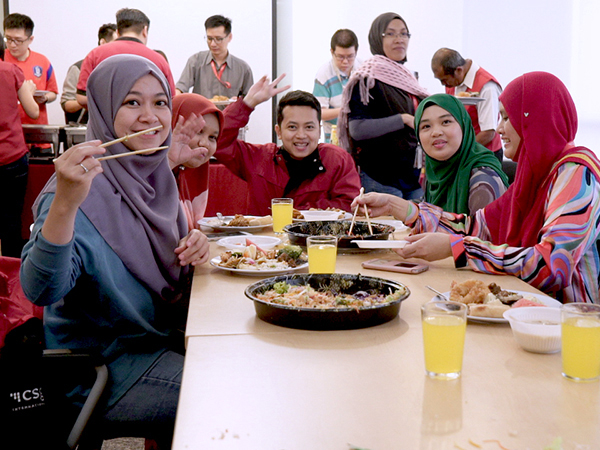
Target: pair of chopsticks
{"points": [[362, 192], [125, 138]]}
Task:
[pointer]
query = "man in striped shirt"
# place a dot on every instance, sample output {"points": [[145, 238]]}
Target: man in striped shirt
{"points": [[333, 76]]}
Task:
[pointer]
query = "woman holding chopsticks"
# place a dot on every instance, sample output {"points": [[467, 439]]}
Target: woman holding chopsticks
{"points": [[110, 251]]}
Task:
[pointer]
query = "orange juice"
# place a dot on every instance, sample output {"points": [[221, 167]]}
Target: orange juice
{"points": [[581, 348], [282, 215], [321, 258], [443, 340]]}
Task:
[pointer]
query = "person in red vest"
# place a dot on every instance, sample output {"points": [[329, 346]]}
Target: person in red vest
{"points": [[463, 75]]}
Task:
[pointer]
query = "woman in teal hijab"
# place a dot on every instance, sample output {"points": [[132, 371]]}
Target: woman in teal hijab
{"points": [[462, 175]]}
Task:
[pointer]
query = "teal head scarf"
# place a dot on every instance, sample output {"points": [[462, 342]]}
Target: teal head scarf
{"points": [[448, 181]]}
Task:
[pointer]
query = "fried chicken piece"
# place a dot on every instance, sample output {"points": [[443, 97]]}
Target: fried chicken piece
{"points": [[239, 221], [470, 291]]}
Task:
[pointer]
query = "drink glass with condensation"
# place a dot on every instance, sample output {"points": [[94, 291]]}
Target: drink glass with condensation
{"points": [[444, 328], [581, 341], [282, 210], [322, 252]]}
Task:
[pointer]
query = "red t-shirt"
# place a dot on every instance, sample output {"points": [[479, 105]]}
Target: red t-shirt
{"points": [[38, 69], [124, 45], [12, 142]]}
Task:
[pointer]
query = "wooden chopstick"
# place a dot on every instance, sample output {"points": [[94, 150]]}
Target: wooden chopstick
{"points": [[362, 191], [353, 219], [137, 152], [368, 220], [129, 136]]}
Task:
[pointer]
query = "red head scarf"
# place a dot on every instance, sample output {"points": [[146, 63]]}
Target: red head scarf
{"points": [[542, 112], [193, 183]]}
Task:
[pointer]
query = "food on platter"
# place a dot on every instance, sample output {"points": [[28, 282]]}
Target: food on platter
{"points": [[258, 221], [305, 296], [297, 214], [486, 300], [470, 291], [467, 94], [255, 258], [219, 98], [239, 221]]}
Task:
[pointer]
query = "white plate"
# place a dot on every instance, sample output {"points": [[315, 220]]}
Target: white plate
{"points": [[257, 273], [347, 216], [207, 220], [239, 242], [379, 243], [39, 93], [548, 301], [470, 100], [397, 224]]}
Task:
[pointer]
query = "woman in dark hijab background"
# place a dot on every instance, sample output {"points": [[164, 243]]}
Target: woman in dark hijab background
{"points": [[110, 251], [377, 118]]}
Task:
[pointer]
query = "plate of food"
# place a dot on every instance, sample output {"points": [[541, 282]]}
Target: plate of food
{"points": [[314, 214], [469, 98], [241, 242], [238, 222], [327, 301], [222, 100], [254, 261], [488, 302]]}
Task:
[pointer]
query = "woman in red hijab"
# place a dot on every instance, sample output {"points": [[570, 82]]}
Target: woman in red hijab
{"points": [[192, 178], [545, 228]]}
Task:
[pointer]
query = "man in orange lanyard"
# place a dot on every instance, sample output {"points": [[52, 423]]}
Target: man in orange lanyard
{"points": [[216, 72]]}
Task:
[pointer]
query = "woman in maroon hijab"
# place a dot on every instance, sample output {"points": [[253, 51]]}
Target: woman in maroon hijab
{"points": [[545, 228], [192, 177]]}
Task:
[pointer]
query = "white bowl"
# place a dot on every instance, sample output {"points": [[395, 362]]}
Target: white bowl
{"points": [[536, 328], [239, 242], [312, 216]]}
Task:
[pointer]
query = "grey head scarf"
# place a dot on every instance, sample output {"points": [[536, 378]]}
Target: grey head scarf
{"points": [[378, 27], [134, 203]]}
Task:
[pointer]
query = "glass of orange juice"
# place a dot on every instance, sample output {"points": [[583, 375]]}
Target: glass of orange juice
{"points": [[282, 210], [444, 328], [581, 341], [322, 252]]}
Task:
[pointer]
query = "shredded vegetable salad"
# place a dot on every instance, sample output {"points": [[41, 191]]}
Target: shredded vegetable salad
{"points": [[304, 296]]}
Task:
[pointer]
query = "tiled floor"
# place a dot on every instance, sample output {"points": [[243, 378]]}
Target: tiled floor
{"points": [[124, 444]]}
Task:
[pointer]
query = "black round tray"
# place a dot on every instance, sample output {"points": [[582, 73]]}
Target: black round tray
{"points": [[327, 319]]}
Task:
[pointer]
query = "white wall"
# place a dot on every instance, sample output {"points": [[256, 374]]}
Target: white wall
{"points": [[507, 37]]}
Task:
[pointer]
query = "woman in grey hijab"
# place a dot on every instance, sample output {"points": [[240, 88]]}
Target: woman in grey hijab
{"points": [[109, 254]]}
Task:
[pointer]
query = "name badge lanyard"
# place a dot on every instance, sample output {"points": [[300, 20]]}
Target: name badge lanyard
{"points": [[219, 74]]}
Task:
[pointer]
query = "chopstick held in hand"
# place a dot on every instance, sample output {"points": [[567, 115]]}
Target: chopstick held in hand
{"points": [[137, 152], [129, 136], [362, 191]]}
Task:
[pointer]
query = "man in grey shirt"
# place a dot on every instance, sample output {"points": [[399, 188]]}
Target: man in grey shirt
{"points": [[216, 71]]}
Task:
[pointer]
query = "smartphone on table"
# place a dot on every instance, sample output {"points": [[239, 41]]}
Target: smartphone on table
{"points": [[393, 265]]}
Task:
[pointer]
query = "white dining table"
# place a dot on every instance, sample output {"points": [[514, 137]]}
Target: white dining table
{"points": [[248, 384]]}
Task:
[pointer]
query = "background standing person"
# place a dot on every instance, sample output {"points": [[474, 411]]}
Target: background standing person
{"points": [[334, 75], [132, 27], [464, 75], [106, 289], [216, 71], [377, 119], [14, 165], [74, 112], [18, 35]]}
